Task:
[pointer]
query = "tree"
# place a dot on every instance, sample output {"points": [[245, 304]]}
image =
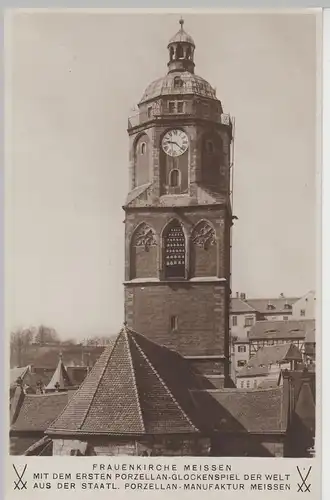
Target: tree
{"points": [[46, 335], [20, 340]]}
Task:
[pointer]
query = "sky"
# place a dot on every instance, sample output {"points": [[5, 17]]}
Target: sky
{"points": [[72, 80]]}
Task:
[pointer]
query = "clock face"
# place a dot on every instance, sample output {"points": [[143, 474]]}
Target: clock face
{"points": [[175, 142]]}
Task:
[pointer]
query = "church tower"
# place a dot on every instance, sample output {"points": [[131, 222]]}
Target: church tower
{"points": [[178, 216]]}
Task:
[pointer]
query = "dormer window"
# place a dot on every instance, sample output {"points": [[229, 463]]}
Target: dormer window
{"points": [[178, 82], [287, 306], [270, 306]]}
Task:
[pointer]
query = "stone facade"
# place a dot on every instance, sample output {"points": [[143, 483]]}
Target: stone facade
{"points": [[157, 446], [182, 198]]}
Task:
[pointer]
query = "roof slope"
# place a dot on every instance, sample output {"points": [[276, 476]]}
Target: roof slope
{"points": [[136, 387], [239, 410], [273, 354], [60, 380], [279, 305], [290, 329], [38, 411], [238, 305]]}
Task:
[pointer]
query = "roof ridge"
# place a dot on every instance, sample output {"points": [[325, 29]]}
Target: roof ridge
{"points": [[135, 384], [99, 381], [163, 384]]}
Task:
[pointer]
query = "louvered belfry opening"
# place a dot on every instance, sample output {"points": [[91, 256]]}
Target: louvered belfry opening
{"points": [[175, 252]]}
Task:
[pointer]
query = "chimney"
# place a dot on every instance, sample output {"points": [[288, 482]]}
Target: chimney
{"points": [[243, 296]]}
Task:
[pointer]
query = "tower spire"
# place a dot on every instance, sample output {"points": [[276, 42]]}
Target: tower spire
{"points": [[181, 51]]}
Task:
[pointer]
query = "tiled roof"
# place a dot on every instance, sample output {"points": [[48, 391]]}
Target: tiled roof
{"points": [[60, 380], [43, 447], [252, 371], [279, 304], [268, 383], [239, 305], [290, 329], [38, 411], [238, 410], [273, 354], [136, 387]]}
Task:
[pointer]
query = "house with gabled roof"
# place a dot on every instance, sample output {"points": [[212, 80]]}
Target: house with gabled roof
{"points": [[279, 332], [30, 415], [267, 363]]}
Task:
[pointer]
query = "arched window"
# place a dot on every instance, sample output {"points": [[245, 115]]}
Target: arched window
{"points": [[179, 52], [209, 147], [188, 53], [174, 178], [171, 53], [175, 251], [143, 148]]}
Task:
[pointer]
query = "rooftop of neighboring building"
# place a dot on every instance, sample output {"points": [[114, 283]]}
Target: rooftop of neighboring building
{"points": [[252, 371], [240, 306], [37, 411], [288, 329], [246, 410], [269, 355]]}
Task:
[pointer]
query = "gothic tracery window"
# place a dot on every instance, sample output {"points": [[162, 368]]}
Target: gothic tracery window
{"points": [[203, 235], [175, 252], [144, 237]]}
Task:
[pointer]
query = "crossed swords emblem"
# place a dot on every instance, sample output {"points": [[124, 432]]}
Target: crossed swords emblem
{"points": [[20, 484], [303, 484]]}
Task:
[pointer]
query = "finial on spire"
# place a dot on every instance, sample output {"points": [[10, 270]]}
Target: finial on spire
{"points": [[181, 22]]}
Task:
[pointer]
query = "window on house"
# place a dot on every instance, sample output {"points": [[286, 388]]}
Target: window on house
{"points": [[285, 318], [234, 320], [175, 252], [241, 348], [241, 362], [180, 107], [174, 177], [149, 111], [174, 323], [248, 320], [302, 312], [171, 107], [255, 383], [143, 148], [242, 384], [248, 384]]}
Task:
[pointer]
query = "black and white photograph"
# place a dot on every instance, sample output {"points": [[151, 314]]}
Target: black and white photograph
{"points": [[161, 233]]}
